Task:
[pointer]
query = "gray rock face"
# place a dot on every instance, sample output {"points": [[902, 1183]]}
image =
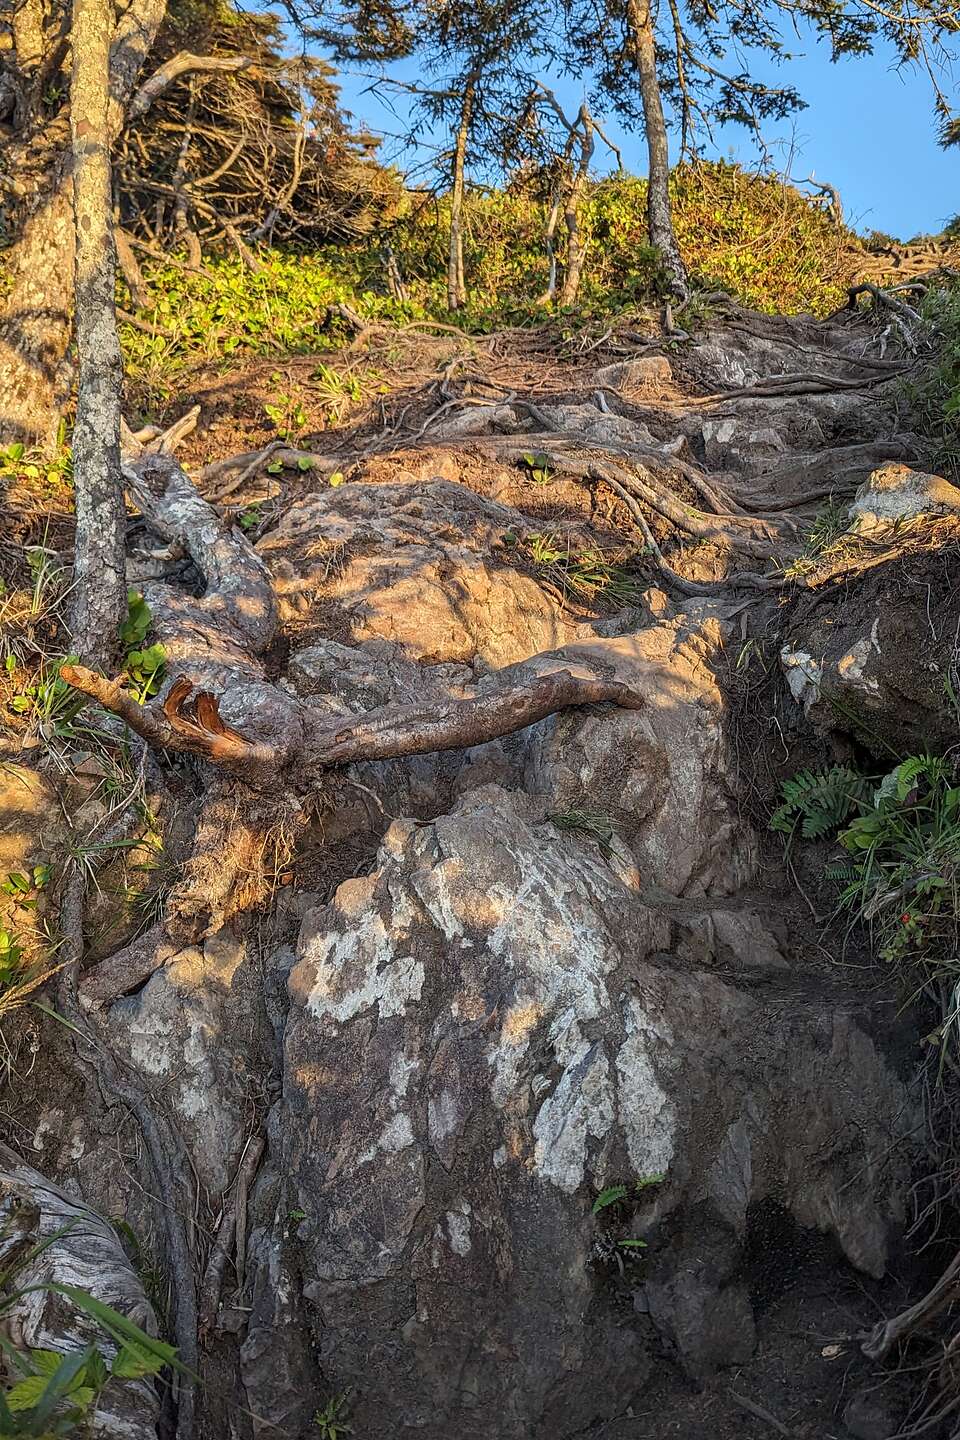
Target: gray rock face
{"points": [[878, 661], [197, 1028], [485, 1033]]}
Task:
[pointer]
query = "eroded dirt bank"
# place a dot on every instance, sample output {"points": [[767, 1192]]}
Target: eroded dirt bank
{"points": [[511, 1089]]}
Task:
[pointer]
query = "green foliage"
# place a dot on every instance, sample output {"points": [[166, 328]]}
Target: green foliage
{"points": [[33, 466], [585, 575], [610, 1196], [57, 1395], [229, 311], [905, 865], [134, 629], [592, 823], [935, 396], [762, 241], [900, 876], [538, 467], [829, 526], [331, 1421], [286, 412], [25, 888], [819, 801], [614, 1194], [144, 666], [48, 700]]}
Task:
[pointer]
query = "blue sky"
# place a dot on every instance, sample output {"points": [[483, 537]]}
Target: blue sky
{"points": [[868, 130]]}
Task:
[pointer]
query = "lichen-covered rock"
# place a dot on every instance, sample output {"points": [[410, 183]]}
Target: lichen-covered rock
{"points": [[197, 1030], [659, 773], [894, 493], [483, 1034]]}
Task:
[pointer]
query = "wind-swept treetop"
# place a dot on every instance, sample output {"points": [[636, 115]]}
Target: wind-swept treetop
{"points": [[264, 150]]}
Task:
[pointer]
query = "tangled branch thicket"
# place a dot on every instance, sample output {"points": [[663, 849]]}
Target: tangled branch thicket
{"points": [[262, 151]]}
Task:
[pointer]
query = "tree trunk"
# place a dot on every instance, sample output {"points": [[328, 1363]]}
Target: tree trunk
{"points": [[456, 284], [99, 563], [576, 252], [35, 317], [35, 324], [642, 38]]}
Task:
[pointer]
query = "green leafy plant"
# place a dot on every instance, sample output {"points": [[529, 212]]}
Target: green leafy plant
{"points": [[538, 468], [250, 517], [817, 802], [134, 629], [24, 888], [903, 876], [286, 412], [612, 1195], [585, 575], [57, 1395], [331, 1420], [48, 699], [145, 670], [144, 666], [823, 536]]}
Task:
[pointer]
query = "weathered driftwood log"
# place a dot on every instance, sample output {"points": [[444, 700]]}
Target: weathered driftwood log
{"points": [[49, 1238]]}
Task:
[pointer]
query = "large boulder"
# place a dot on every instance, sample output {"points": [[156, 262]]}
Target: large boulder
{"points": [[893, 494], [485, 1033], [423, 566]]}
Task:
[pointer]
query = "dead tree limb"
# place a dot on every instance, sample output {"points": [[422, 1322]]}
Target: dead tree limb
{"points": [[183, 63]]}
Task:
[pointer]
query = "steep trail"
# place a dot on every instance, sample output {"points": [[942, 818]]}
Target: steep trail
{"points": [[505, 980]]}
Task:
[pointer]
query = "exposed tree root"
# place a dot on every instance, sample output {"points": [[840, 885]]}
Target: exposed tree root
{"points": [[168, 1159], [212, 1282], [889, 1333], [267, 746]]}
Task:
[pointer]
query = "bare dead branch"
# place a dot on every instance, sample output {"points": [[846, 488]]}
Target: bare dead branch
{"points": [[183, 63], [458, 723]]}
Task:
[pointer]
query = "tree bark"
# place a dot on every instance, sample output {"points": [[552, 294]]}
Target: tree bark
{"points": [[642, 38], [99, 560], [35, 317], [35, 326], [576, 251], [456, 283]]}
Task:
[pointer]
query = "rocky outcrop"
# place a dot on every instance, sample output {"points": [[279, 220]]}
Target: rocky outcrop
{"points": [[422, 566], [893, 494], [878, 659], [484, 1034]]}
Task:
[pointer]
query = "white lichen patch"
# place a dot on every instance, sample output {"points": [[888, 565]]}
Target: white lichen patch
{"points": [[804, 676], [581, 1106], [458, 1229], [647, 1115], [360, 968]]}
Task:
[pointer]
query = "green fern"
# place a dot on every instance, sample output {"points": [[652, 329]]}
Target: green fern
{"points": [[819, 801]]}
